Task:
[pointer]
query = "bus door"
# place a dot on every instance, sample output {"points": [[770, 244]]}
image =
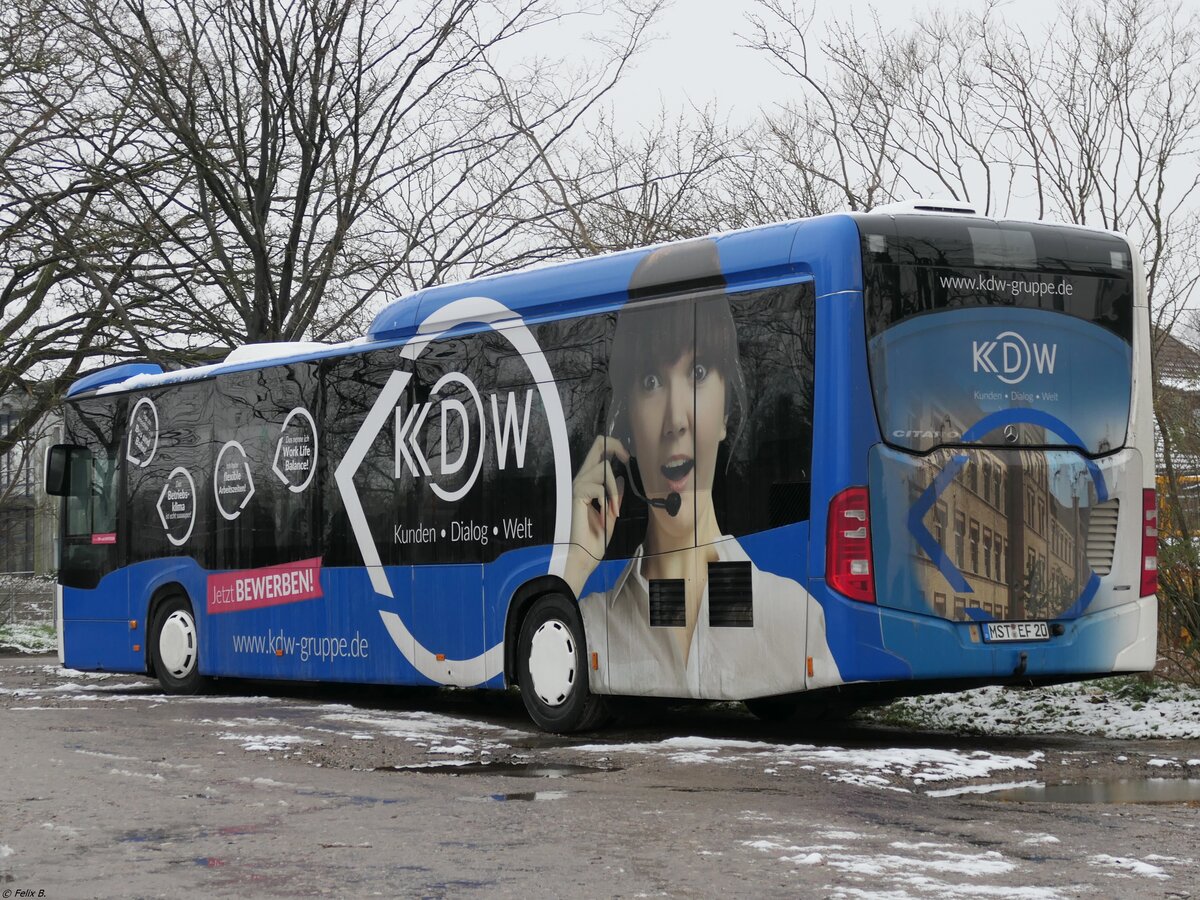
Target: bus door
{"points": [[95, 609], [727, 620], [762, 624], [653, 607], [442, 528]]}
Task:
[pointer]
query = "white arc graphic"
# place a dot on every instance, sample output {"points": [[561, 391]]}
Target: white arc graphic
{"points": [[312, 462], [134, 418], [456, 672], [490, 663], [162, 515], [344, 476], [230, 516]]}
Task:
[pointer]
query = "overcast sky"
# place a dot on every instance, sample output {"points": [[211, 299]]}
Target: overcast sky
{"points": [[697, 57]]}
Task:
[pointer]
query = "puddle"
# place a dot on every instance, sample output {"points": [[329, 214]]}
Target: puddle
{"points": [[1117, 790], [148, 837], [723, 790], [530, 796], [509, 770]]}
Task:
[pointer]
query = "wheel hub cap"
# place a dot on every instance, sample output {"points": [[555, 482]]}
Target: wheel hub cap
{"points": [[177, 644], [552, 662]]}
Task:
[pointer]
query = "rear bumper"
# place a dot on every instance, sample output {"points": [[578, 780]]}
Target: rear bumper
{"points": [[909, 646]]}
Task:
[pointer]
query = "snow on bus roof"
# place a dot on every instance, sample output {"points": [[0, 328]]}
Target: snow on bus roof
{"points": [[248, 356], [255, 353]]}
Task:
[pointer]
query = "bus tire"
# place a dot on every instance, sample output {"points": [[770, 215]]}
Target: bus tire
{"points": [[800, 708], [175, 647], [552, 668], [773, 709]]}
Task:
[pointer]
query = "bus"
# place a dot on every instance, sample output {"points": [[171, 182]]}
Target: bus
{"points": [[854, 456]]}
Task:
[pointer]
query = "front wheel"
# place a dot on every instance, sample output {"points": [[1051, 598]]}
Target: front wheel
{"points": [[175, 648], [552, 668]]}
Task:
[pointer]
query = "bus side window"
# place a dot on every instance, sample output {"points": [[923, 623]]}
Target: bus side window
{"points": [[169, 488], [265, 497], [104, 494], [766, 459]]}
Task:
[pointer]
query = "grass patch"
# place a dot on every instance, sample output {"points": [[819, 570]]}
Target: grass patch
{"points": [[28, 638]]}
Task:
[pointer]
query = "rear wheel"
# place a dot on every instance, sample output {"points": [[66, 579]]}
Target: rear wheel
{"points": [[552, 668], [773, 709], [821, 709], [175, 648]]}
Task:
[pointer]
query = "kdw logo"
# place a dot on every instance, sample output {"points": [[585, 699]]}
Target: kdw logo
{"points": [[1010, 357]]}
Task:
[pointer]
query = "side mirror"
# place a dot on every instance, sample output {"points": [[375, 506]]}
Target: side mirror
{"points": [[58, 470]]}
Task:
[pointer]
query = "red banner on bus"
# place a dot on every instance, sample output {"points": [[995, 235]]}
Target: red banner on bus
{"points": [[268, 586]]}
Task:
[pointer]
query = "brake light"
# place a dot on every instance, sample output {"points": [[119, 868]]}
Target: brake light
{"points": [[1149, 542], [848, 565]]}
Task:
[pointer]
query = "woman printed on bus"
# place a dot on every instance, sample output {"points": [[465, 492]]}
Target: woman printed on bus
{"points": [[678, 393]]}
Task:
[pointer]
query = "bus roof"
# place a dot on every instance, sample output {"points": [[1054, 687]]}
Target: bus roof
{"points": [[749, 257], [825, 248]]}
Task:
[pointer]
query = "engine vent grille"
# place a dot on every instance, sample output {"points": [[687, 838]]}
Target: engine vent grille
{"points": [[1102, 536], [730, 600], [667, 607]]}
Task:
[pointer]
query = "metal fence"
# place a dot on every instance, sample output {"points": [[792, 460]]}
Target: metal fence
{"points": [[26, 599]]}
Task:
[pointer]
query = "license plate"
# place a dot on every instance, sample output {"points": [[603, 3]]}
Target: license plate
{"points": [[1016, 631]]}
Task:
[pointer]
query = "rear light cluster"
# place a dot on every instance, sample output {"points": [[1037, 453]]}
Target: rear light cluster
{"points": [[848, 564], [1149, 543]]}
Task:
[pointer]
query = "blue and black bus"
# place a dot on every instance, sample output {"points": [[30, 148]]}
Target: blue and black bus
{"points": [[852, 456]]}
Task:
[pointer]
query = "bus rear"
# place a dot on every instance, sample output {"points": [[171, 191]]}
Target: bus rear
{"points": [[1012, 514]]}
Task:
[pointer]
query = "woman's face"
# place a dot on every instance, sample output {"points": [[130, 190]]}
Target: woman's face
{"points": [[677, 419]]}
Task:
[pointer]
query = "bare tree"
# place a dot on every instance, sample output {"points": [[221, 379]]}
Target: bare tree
{"points": [[181, 176], [332, 151], [608, 190], [65, 262], [838, 139], [1094, 119]]}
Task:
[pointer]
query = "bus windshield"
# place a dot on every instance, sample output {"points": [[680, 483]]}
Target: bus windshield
{"points": [[997, 333]]}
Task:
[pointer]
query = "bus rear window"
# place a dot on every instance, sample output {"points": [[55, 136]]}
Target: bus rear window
{"points": [[913, 265]]}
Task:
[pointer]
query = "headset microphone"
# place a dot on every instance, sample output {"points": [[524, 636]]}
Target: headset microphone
{"points": [[632, 476]]}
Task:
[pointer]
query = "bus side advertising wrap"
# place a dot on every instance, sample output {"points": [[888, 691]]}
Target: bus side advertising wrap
{"points": [[848, 452], [269, 586]]}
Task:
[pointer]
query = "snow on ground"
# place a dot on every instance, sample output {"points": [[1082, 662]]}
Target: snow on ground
{"points": [[989, 788], [1113, 708], [436, 734], [1126, 864], [948, 870], [267, 742], [889, 767], [904, 870], [1123, 708]]}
